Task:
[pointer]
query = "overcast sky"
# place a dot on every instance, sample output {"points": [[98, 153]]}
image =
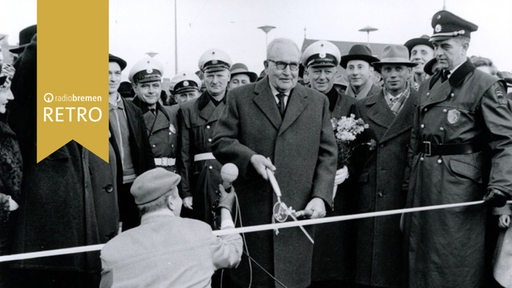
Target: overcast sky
{"points": [[138, 27]]}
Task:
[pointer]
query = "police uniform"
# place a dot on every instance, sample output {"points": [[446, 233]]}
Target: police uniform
{"points": [[462, 146], [161, 123], [334, 247], [185, 82], [199, 169]]}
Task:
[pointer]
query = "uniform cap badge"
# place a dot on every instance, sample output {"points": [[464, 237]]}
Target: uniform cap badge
{"points": [[438, 28], [185, 83]]}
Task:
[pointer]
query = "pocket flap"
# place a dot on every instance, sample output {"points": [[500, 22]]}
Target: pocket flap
{"points": [[466, 170]]}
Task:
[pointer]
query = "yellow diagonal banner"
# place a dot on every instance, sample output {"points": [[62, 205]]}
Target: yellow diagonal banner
{"points": [[72, 75]]}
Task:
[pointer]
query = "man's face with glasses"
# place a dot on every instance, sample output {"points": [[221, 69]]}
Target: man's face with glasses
{"points": [[282, 67]]}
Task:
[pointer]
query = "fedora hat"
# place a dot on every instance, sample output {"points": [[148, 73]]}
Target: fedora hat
{"points": [[240, 68], [24, 39], [358, 52], [423, 40], [394, 54]]}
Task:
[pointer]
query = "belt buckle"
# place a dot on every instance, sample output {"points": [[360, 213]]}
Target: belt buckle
{"points": [[427, 147]]}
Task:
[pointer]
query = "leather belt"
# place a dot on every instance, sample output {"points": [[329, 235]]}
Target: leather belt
{"points": [[204, 156], [429, 149], [165, 162]]}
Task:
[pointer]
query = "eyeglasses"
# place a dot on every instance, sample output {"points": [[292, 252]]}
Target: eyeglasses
{"points": [[294, 66]]}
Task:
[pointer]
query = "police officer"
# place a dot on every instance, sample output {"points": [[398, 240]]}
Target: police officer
{"points": [[160, 120], [186, 87], [333, 252], [462, 141], [199, 169]]}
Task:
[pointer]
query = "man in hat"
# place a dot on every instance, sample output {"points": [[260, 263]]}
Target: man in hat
{"points": [[357, 63], [462, 147], [160, 121], [197, 119], [278, 125], [130, 142], [240, 75], [332, 251], [421, 51], [167, 250], [380, 171], [186, 87]]}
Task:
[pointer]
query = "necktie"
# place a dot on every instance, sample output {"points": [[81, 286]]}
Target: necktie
{"points": [[281, 104], [444, 75], [152, 110]]}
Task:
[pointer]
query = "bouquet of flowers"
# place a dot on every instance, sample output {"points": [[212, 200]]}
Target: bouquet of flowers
{"points": [[346, 130]]}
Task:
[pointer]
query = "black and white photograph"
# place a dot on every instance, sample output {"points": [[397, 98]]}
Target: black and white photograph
{"points": [[269, 143]]}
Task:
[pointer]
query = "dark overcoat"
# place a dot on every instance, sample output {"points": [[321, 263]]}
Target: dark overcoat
{"points": [[334, 251], [446, 248], [380, 175], [199, 179], [302, 147], [161, 130]]}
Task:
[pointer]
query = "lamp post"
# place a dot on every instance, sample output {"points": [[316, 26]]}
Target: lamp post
{"points": [[151, 54], [368, 29], [266, 29]]}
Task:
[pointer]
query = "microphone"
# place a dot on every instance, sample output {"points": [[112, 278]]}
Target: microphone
{"points": [[228, 173]]}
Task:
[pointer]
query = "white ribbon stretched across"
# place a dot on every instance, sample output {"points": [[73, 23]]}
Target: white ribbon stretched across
{"points": [[256, 228]]}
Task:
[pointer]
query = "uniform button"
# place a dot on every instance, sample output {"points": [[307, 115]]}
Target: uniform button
{"points": [[421, 158], [445, 110], [380, 194], [109, 188], [207, 126], [425, 109], [209, 139], [441, 128], [422, 126], [210, 167], [381, 145], [428, 93], [153, 145], [439, 161], [452, 95]]}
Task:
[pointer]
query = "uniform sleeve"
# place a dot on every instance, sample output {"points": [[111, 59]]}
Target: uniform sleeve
{"points": [[497, 114], [226, 251], [184, 158]]}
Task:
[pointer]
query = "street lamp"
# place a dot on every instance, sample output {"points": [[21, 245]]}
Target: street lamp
{"points": [[368, 29], [266, 29], [151, 54]]}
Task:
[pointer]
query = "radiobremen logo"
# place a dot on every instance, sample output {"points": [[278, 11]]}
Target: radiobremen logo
{"points": [[72, 79], [71, 113]]}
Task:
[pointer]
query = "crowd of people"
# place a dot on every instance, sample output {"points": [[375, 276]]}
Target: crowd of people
{"points": [[437, 129]]}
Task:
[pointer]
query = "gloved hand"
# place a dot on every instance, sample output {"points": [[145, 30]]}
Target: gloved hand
{"points": [[226, 199], [341, 175], [495, 198]]}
